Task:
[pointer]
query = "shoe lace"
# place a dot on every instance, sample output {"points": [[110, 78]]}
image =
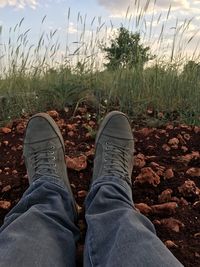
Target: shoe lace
{"points": [[116, 161], [44, 161]]}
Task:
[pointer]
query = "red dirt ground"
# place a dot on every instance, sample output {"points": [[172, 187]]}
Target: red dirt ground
{"points": [[166, 176]]}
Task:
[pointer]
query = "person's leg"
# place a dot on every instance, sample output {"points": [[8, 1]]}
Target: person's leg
{"points": [[40, 230], [117, 234]]}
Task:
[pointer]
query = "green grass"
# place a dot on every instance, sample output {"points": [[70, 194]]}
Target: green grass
{"points": [[32, 79]]}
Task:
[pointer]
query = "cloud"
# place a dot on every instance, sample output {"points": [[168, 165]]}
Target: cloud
{"points": [[72, 28], [117, 7], [19, 3]]}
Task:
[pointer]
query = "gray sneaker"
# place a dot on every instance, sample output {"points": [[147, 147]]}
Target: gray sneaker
{"points": [[114, 148], [44, 150]]}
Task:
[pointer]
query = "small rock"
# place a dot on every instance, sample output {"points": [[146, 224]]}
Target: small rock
{"points": [[166, 147], [5, 204], [173, 141], [77, 164], [187, 137], [14, 172], [20, 128], [156, 222], [19, 147], [13, 148], [189, 157], [53, 113], [165, 196], [5, 130], [196, 129], [147, 175], [170, 244], [139, 160], [172, 224], [182, 202], [82, 193], [92, 123], [6, 189], [82, 110], [169, 127], [70, 133], [184, 148], [165, 208], [71, 127], [143, 208], [194, 172], [90, 152], [197, 235], [168, 174], [196, 254], [5, 143], [189, 189], [181, 139], [145, 131], [25, 176]]}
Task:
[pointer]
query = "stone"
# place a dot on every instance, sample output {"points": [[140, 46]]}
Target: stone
{"points": [[173, 141], [165, 196], [5, 130], [53, 113], [172, 224], [139, 160], [170, 244], [5, 205], [194, 172], [143, 208], [77, 163], [189, 189], [168, 174], [6, 189], [147, 175], [82, 193], [165, 208]]}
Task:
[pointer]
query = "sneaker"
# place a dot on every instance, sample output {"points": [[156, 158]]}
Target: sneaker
{"points": [[44, 150], [114, 148]]}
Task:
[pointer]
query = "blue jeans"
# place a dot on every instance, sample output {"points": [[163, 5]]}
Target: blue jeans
{"points": [[40, 229]]}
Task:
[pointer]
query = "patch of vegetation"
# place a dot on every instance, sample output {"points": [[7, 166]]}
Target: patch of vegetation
{"points": [[131, 78]]}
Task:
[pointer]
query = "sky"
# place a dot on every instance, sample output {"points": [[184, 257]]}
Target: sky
{"points": [[72, 17]]}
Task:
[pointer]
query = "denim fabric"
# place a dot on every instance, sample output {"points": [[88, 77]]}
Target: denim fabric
{"points": [[117, 234], [40, 229]]}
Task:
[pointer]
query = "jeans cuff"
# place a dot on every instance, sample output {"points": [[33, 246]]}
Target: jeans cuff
{"points": [[114, 181], [52, 179]]}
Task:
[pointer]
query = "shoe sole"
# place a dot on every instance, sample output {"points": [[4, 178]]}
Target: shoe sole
{"points": [[57, 131]]}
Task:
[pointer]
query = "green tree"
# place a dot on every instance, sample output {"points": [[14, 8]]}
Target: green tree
{"points": [[191, 68], [125, 51]]}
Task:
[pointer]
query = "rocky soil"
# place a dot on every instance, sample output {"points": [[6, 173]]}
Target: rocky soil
{"points": [[166, 175]]}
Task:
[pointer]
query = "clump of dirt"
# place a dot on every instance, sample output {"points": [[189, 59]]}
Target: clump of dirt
{"points": [[165, 178]]}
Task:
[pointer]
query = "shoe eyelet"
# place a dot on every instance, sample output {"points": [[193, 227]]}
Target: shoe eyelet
{"points": [[54, 165], [54, 158], [52, 147], [107, 145]]}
